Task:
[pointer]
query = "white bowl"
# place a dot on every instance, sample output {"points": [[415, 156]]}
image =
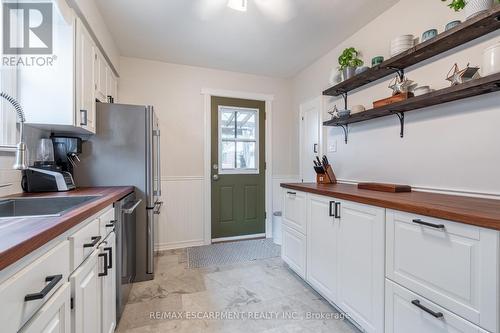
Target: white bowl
{"points": [[422, 90]]}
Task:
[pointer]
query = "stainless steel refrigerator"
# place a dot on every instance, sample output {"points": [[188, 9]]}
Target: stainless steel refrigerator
{"points": [[126, 151]]}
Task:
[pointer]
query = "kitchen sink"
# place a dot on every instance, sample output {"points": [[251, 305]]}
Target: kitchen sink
{"points": [[41, 206]]}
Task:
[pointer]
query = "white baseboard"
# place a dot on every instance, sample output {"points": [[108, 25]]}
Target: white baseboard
{"points": [[227, 239], [178, 245]]}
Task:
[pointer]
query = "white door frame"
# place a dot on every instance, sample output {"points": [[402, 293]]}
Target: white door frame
{"points": [[303, 107], [207, 181]]}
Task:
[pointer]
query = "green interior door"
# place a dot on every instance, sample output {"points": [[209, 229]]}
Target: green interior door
{"points": [[238, 167]]}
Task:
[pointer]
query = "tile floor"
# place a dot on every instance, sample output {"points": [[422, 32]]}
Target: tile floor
{"points": [[180, 299]]}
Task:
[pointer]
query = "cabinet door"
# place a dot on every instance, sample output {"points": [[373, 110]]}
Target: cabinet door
{"points": [[99, 76], [322, 242], [361, 264], [85, 101], [108, 286], [293, 250], [294, 210], [54, 316], [110, 83], [86, 296]]}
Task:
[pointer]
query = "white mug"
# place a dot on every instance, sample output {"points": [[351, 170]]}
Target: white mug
{"points": [[491, 60]]}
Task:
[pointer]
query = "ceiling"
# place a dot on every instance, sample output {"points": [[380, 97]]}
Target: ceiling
{"points": [[278, 42]]}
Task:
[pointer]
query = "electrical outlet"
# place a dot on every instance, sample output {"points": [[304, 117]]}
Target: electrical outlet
{"points": [[332, 146]]}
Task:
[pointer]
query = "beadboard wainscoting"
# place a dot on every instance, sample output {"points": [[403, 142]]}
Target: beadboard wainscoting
{"points": [[181, 220]]}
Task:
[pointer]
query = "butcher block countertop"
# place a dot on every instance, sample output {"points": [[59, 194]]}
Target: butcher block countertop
{"points": [[21, 236], [469, 210]]}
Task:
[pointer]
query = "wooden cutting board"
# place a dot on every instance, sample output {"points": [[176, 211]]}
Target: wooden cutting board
{"points": [[382, 187], [392, 99]]}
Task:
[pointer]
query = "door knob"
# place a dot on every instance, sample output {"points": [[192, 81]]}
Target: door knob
{"points": [[215, 177], [215, 167]]}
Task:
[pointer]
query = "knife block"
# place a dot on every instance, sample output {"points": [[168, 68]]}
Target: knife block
{"points": [[326, 178]]}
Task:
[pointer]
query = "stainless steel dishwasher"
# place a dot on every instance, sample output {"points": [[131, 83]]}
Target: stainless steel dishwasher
{"points": [[125, 229]]}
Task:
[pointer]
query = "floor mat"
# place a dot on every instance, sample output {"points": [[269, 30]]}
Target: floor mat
{"points": [[231, 253]]}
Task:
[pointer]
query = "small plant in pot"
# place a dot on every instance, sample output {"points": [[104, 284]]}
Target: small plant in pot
{"points": [[348, 62], [471, 7]]}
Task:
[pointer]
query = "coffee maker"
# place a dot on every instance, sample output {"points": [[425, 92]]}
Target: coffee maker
{"points": [[53, 169]]}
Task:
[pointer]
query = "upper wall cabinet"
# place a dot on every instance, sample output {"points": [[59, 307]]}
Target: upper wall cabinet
{"points": [[59, 93]]}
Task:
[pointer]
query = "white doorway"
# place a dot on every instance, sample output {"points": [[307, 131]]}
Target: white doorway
{"points": [[310, 137]]}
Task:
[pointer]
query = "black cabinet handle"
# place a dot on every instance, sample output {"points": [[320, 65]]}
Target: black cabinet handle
{"points": [[105, 256], [432, 225], [291, 193], [52, 280], [337, 210], [315, 148], [111, 224], [331, 212], [110, 251], [416, 302], [94, 242]]}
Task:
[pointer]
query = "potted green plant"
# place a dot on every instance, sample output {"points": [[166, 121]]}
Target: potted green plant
{"points": [[348, 62], [470, 7]]}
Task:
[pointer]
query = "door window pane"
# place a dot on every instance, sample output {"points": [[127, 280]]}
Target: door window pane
{"points": [[228, 154], [246, 125], [238, 140], [245, 154]]}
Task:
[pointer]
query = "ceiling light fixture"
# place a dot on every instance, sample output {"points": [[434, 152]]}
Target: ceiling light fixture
{"points": [[239, 5]]}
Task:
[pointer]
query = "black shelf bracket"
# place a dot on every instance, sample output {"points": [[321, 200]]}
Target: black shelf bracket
{"points": [[401, 117], [346, 130], [344, 96], [400, 71]]}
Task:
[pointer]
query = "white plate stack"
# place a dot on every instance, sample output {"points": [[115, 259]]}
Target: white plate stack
{"points": [[401, 44]]}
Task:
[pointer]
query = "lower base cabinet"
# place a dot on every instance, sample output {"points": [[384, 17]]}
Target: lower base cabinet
{"points": [[407, 312], [361, 264], [293, 250], [108, 286], [86, 314], [54, 316]]}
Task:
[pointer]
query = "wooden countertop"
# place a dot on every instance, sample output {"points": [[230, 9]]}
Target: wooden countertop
{"points": [[21, 236], [469, 210]]}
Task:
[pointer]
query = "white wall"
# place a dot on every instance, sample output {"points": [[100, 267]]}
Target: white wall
{"points": [[175, 92], [453, 146]]}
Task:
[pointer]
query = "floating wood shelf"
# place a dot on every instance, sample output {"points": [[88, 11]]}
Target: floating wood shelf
{"points": [[445, 41], [472, 88]]}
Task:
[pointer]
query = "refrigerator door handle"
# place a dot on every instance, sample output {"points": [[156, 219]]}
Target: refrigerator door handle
{"points": [[158, 162]]}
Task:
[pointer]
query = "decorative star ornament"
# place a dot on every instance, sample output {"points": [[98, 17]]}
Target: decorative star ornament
{"points": [[458, 76], [334, 112], [401, 86]]}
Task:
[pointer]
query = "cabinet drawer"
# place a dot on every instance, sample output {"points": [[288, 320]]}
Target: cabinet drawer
{"points": [[16, 310], [84, 242], [403, 316], [294, 210], [293, 250], [107, 222], [452, 264]]}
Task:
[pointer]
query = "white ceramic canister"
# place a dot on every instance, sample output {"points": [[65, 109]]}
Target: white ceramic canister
{"points": [[491, 60]]}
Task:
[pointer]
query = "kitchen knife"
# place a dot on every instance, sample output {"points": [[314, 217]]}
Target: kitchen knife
{"points": [[319, 161]]}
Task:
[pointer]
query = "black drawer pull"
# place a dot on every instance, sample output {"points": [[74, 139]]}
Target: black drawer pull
{"points": [[110, 251], [432, 225], [95, 240], [105, 256], [291, 193], [337, 210], [331, 212], [416, 302], [52, 282], [110, 225]]}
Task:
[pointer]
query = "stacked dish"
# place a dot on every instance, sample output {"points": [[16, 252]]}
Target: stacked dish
{"points": [[401, 44]]}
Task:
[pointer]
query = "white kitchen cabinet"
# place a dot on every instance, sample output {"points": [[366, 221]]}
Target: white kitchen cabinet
{"points": [[293, 250], [54, 316], [294, 210], [85, 290], [407, 312], [453, 265], [111, 85], [85, 102], [108, 286], [361, 258], [100, 69], [322, 246]]}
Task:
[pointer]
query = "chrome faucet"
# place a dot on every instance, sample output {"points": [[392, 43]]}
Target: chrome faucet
{"points": [[20, 148]]}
